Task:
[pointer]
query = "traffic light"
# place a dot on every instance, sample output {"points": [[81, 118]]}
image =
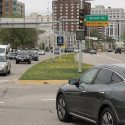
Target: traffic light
{"points": [[81, 18]]}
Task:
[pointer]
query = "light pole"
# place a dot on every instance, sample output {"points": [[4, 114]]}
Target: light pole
{"points": [[80, 44]]}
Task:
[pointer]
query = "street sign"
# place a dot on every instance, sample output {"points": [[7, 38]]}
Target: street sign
{"points": [[60, 40], [80, 35], [92, 18], [98, 23]]}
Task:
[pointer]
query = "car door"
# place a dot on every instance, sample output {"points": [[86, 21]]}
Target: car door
{"points": [[96, 93], [76, 93]]}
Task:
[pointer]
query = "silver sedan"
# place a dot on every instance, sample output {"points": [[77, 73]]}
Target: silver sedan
{"points": [[5, 65]]}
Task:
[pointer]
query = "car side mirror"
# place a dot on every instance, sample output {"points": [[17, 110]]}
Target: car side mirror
{"points": [[73, 81]]}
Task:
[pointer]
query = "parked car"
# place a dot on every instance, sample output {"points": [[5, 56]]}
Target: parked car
{"points": [[12, 55], [98, 96], [68, 50], [23, 56], [5, 65], [118, 50], [76, 50], [41, 52], [87, 50], [56, 51], [34, 55], [93, 51]]}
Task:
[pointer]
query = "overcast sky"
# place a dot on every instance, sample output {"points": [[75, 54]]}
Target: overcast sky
{"points": [[44, 6]]}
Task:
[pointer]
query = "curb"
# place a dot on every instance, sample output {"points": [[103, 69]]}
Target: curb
{"points": [[41, 82]]}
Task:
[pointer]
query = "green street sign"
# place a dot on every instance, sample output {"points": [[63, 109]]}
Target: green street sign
{"points": [[96, 18]]}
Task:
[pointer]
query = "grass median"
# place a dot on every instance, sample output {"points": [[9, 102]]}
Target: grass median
{"points": [[61, 69]]}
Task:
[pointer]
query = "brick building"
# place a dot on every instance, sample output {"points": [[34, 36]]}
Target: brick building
{"points": [[68, 10]]}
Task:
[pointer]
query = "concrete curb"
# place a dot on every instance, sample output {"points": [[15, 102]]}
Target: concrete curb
{"points": [[40, 82]]}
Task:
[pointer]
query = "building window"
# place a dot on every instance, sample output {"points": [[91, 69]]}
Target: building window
{"points": [[7, 4]]}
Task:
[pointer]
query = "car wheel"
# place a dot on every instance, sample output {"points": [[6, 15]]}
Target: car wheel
{"points": [[29, 62], [107, 117], [62, 110], [5, 73], [9, 71], [17, 62]]}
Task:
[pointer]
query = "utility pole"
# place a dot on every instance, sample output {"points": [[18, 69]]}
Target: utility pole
{"points": [[80, 43], [53, 32]]}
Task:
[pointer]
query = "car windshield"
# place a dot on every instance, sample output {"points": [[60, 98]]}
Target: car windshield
{"points": [[23, 53], [2, 50]]}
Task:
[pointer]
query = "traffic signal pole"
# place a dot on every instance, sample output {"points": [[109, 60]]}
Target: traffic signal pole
{"points": [[80, 44]]}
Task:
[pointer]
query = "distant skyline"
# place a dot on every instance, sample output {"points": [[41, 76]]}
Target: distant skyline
{"points": [[45, 6]]}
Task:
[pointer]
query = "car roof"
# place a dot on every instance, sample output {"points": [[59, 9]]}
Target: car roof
{"points": [[119, 68]]}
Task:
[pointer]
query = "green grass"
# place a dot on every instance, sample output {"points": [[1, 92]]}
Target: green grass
{"points": [[61, 69]]}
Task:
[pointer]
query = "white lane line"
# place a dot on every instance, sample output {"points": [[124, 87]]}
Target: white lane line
{"points": [[3, 81], [2, 102], [110, 58], [48, 99]]}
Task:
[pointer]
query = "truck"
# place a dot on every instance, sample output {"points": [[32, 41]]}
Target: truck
{"points": [[4, 49]]}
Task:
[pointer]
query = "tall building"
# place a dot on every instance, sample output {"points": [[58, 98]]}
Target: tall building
{"points": [[67, 10], [115, 29], [0, 7], [9, 8], [21, 9]]}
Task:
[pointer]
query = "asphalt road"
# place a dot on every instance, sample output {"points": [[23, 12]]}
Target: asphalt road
{"points": [[103, 58], [30, 105], [18, 69]]}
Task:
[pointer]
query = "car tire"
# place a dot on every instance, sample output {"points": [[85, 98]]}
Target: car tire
{"points": [[9, 72], [107, 117], [5, 74], [29, 62], [62, 111], [17, 62]]}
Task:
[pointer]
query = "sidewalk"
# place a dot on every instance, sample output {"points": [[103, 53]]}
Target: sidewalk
{"points": [[41, 82]]}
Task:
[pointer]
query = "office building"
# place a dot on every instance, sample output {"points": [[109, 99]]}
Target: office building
{"points": [[10, 8], [116, 28], [67, 10], [21, 9]]}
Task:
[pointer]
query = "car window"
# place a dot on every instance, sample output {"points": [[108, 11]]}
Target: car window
{"points": [[88, 77], [116, 78], [103, 77]]}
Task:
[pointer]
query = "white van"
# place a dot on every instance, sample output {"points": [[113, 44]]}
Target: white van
{"points": [[4, 49]]}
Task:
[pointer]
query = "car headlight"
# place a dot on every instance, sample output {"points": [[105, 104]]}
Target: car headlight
{"points": [[2, 66]]}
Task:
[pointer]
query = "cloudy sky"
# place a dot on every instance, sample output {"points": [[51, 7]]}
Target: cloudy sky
{"points": [[44, 6]]}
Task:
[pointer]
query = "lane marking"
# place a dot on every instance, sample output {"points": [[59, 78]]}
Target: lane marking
{"points": [[110, 58], [48, 99], [2, 81], [2, 102]]}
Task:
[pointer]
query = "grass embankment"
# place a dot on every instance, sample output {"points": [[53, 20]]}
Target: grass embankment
{"points": [[61, 69]]}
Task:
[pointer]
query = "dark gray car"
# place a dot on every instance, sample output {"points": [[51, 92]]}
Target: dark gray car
{"points": [[98, 96]]}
